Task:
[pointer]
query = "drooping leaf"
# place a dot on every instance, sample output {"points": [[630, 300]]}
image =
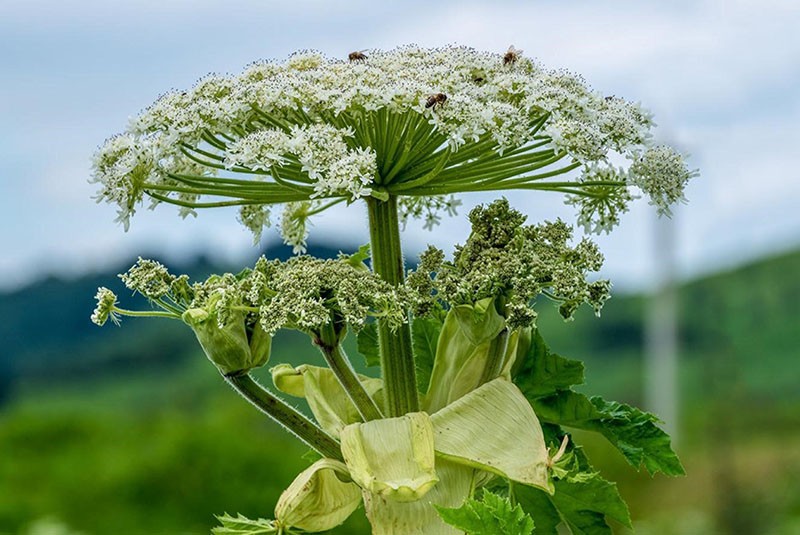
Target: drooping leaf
{"points": [[392, 457], [424, 337], [367, 344], [241, 525], [495, 429], [318, 499], [490, 516], [542, 372]]}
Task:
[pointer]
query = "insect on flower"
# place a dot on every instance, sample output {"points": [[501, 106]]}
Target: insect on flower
{"points": [[435, 99], [358, 55], [511, 56]]}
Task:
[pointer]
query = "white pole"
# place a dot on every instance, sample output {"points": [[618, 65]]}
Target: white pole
{"points": [[661, 332]]}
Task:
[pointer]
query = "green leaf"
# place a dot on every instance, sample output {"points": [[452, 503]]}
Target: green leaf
{"points": [[358, 258], [636, 434], [491, 516], [545, 379], [424, 337], [367, 344], [633, 432], [585, 502], [542, 373], [566, 407], [243, 526], [538, 505], [582, 502], [480, 322]]}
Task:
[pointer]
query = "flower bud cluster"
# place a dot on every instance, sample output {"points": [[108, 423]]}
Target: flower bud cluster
{"points": [[513, 263]]}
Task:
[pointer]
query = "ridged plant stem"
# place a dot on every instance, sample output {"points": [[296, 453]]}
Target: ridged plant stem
{"points": [[397, 358]]}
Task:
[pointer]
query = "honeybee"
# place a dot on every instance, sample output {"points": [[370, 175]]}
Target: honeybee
{"points": [[435, 99], [358, 55], [511, 56]]}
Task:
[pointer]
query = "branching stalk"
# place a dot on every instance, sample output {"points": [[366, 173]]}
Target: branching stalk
{"points": [[287, 416]]}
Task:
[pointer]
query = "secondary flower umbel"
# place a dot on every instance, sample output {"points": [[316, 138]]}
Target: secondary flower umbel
{"points": [[313, 128]]}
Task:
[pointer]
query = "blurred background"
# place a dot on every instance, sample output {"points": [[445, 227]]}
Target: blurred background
{"points": [[130, 431]]}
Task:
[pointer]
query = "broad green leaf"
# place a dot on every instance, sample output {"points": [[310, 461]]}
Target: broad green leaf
{"points": [[494, 428], [490, 516], [636, 434], [318, 499], [367, 344], [424, 338], [633, 432], [241, 525], [542, 373], [392, 457], [566, 407], [545, 379], [389, 517], [583, 503], [326, 398], [538, 504]]}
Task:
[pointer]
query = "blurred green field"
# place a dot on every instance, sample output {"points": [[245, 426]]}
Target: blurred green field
{"points": [[94, 441]]}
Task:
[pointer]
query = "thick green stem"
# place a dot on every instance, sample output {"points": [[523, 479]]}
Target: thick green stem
{"points": [[397, 358], [288, 417]]}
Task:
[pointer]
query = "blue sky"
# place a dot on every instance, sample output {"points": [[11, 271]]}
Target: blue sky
{"points": [[722, 78]]}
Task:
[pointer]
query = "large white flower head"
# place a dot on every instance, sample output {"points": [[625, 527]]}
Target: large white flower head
{"points": [[413, 123]]}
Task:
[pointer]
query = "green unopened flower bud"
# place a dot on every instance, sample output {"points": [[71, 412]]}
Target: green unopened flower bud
{"points": [[393, 457], [227, 345], [320, 498]]}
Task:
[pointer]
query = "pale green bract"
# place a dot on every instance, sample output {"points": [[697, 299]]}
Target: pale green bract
{"points": [[312, 127]]}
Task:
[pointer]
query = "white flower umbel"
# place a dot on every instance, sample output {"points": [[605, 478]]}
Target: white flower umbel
{"points": [[414, 123]]}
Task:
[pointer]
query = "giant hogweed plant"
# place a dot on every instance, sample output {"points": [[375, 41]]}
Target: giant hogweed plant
{"points": [[466, 429]]}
